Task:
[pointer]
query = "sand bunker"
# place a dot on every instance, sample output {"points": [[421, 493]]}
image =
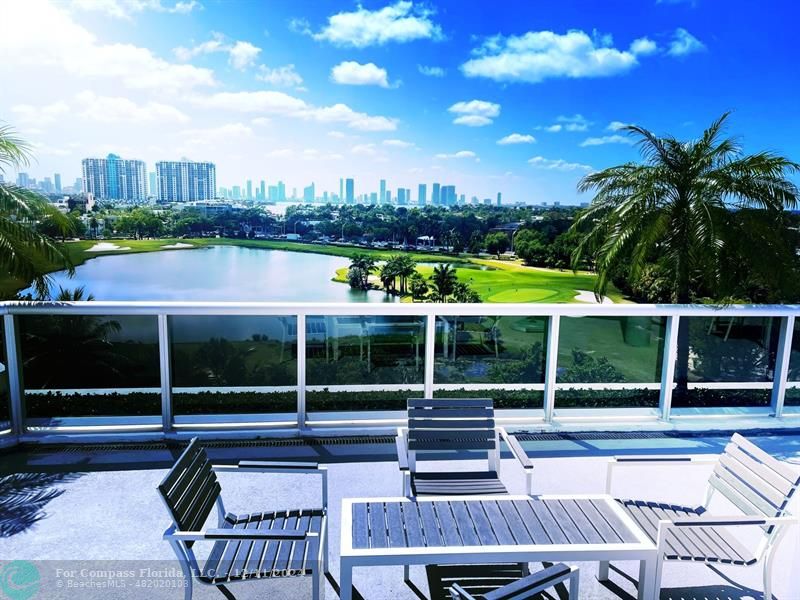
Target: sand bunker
{"points": [[106, 247], [177, 246], [585, 296]]}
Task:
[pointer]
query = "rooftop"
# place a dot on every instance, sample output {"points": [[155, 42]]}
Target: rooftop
{"points": [[98, 506]]}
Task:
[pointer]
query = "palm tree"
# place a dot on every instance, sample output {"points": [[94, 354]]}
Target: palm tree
{"points": [[443, 281], [406, 267], [388, 275], [363, 264], [674, 209], [22, 249]]}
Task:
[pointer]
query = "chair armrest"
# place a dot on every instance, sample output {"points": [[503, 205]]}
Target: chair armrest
{"points": [[402, 449], [727, 521], [459, 593], [516, 448], [262, 466], [237, 534]]}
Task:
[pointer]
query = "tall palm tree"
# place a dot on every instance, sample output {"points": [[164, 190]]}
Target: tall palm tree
{"points": [[674, 208], [23, 250], [363, 264], [406, 267], [443, 282]]}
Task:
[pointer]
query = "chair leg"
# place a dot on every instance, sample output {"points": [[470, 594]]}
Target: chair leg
{"points": [[226, 592], [574, 584], [768, 576], [318, 584]]}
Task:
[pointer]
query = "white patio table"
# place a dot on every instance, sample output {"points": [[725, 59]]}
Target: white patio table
{"points": [[491, 529]]}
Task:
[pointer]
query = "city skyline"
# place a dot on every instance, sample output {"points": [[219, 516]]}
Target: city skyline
{"points": [[401, 91]]}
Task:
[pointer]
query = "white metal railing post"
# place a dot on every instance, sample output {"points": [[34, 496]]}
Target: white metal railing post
{"points": [[551, 366], [782, 358], [301, 371], [16, 396], [430, 353], [668, 366], [165, 366]]}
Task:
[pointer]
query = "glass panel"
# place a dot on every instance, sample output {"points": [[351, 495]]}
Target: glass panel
{"points": [[610, 349], [66, 354], [794, 361], [365, 350], [792, 397], [212, 354], [490, 349], [725, 349]]}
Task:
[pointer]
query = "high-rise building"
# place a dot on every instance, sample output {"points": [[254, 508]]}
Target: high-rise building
{"points": [[350, 194], [236, 192], [115, 178], [281, 192], [262, 187], [57, 180], [499, 198], [152, 189], [78, 185], [249, 189], [341, 188], [422, 193], [186, 181], [401, 197], [308, 193], [272, 194], [23, 180], [47, 186], [448, 195], [435, 199], [382, 193], [373, 197]]}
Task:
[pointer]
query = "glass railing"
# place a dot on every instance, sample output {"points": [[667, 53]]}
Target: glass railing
{"points": [[166, 367]]}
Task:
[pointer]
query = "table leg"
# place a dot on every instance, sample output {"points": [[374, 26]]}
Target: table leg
{"points": [[602, 570], [406, 573], [345, 580]]}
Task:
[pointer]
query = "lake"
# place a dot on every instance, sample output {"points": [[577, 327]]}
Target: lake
{"points": [[217, 273]]}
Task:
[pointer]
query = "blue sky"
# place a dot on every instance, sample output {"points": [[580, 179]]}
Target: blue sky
{"points": [[517, 97]]}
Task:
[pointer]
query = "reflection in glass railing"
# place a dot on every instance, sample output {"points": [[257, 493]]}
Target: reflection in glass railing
{"points": [[344, 350], [794, 361], [490, 349], [221, 364], [116, 357]]}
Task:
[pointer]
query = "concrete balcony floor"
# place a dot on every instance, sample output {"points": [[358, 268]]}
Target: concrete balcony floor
{"points": [[103, 512]]}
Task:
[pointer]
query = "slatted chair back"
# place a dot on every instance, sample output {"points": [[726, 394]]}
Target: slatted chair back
{"points": [[755, 482], [457, 424], [190, 489]]}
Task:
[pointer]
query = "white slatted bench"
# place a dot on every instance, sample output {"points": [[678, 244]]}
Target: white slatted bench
{"points": [[490, 529], [753, 481]]}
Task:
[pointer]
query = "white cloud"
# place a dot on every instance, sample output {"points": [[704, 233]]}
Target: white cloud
{"points": [[351, 72], [684, 43], [115, 109], [125, 9], [643, 46], [516, 138], [74, 50], [539, 55], [261, 121], [363, 149], [284, 76], [575, 122], [282, 104], [475, 113], [472, 121], [227, 131], [616, 126], [280, 153], [241, 54], [431, 71], [398, 144], [399, 22], [606, 139], [27, 114], [459, 154], [336, 134], [559, 164]]}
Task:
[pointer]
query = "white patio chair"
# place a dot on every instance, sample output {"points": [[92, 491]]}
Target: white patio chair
{"points": [[757, 484]]}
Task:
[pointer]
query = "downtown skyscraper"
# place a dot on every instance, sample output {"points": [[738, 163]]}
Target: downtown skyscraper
{"points": [[114, 178], [186, 181]]}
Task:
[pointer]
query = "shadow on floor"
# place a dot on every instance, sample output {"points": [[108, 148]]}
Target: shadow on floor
{"points": [[23, 497]]}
